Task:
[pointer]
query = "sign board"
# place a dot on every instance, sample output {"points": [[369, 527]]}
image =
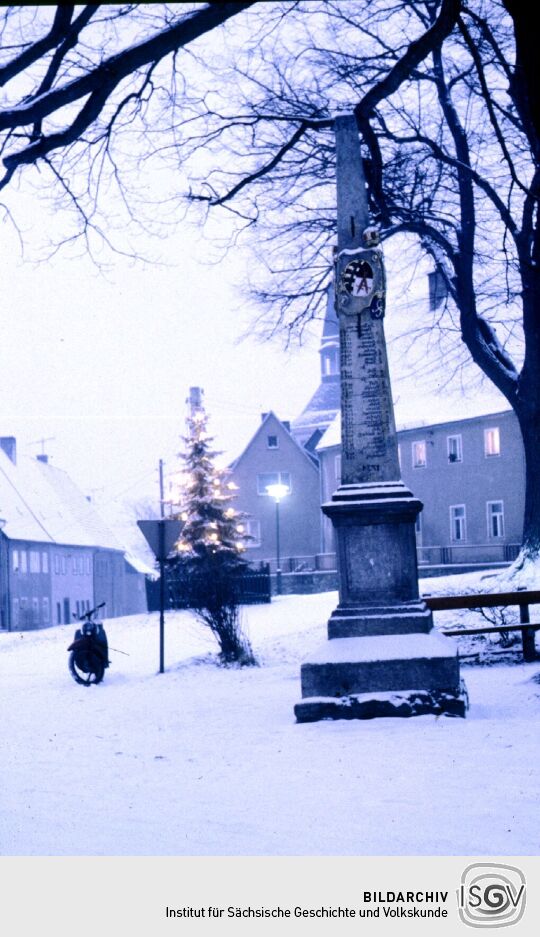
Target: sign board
{"points": [[161, 543]]}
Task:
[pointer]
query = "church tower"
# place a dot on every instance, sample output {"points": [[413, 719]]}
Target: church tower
{"points": [[325, 403]]}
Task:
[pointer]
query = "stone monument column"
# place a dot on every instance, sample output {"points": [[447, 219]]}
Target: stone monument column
{"points": [[379, 634]]}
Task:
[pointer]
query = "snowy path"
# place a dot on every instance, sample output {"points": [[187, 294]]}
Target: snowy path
{"points": [[207, 761]]}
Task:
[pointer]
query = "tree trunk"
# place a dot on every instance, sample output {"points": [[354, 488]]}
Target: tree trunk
{"points": [[529, 422]]}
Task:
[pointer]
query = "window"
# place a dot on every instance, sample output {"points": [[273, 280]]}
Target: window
{"points": [[454, 447], [495, 519], [46, 610], [492, 441], [253, 530], [272, 478], [15, 610], [22, 561], [57, 563], [34, 561], [399, 454], [35, 611], [15, 561], [458, 527], [58, 613], [419, 454], [44, 562], [337, 466], [272, 442]]}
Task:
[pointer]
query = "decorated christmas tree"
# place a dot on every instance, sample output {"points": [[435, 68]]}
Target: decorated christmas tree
{"points": [[209, 553], [213, 529]]}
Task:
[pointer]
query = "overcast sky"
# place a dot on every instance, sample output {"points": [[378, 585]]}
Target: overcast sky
{"points": [[102, 362]]}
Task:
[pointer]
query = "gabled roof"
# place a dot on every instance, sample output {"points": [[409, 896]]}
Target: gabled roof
{"points": [[262, 428], [40, 503]]}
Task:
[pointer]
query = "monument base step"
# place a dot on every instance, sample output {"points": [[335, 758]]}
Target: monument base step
{"points": [[377, 705], [348, 621], [379, 664]]}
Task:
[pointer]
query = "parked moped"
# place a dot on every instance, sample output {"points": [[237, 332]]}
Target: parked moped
{"points": [[89, 651]]}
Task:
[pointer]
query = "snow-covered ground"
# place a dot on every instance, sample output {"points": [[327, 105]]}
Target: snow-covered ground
{"points": [[203, 760]]}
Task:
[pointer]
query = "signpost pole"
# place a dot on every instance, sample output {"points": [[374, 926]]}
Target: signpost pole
{"points": [[161, 559], [161, 536]]}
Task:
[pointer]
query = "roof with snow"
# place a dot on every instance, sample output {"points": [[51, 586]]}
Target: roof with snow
{"points": [[40, 503], [332, 436]]}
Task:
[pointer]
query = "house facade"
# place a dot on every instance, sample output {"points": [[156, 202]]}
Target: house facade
{"points": [[271, 457], [469, 475], [57, 557]]}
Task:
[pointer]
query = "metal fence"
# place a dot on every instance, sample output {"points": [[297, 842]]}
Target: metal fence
{"points": [[252, 587]]}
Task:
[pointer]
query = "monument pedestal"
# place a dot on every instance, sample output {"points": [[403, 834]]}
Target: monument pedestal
{"points": [[374, 527], [381, 659]]}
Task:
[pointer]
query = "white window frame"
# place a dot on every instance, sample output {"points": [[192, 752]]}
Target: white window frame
{"points": [[463, 523], [44, 562], [252, 529], [15, 561], [416, 463], [491, 515], [492, 440], [457, 438], [33, 561]]}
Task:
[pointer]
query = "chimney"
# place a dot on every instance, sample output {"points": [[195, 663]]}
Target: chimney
{"points": [[9, 445], [195, 400], [43, 458]]}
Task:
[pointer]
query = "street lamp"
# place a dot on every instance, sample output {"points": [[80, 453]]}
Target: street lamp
{"points": [[277, 492]]}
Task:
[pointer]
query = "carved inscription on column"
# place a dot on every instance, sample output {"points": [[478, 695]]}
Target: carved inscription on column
{"points": [[368, 432]]}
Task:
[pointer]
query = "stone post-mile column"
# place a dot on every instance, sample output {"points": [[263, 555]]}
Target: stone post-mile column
{"points": [[380, 641]]}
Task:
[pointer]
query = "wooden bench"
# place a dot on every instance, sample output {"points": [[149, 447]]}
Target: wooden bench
{"points": [[521, 598]]}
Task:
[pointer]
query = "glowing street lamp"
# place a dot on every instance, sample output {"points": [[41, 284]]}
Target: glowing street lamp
{"points": [[278, 492]]}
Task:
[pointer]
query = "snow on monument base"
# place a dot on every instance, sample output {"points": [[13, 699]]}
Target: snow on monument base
{"points": [[361, 678], [379, 705]]}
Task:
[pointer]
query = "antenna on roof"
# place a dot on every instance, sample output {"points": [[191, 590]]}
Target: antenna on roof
{"points": [[42, 457]]}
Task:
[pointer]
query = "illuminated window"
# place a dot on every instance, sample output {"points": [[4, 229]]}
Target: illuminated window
{"points": [[492, 442], [419, 454]]}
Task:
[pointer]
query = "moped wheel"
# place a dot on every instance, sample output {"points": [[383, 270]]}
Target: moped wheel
{"points": [[87, 676]]}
